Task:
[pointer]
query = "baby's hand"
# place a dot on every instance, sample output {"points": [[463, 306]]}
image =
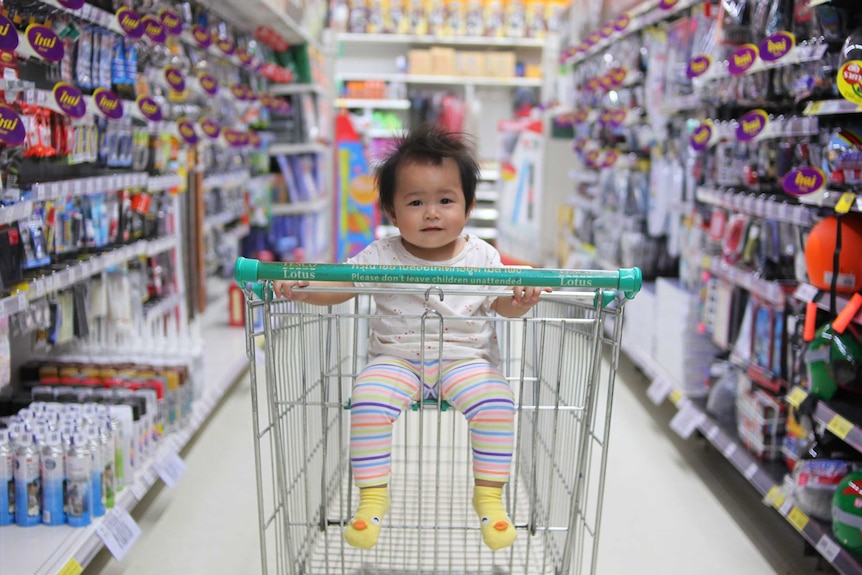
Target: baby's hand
{"points": [[285, 290], [527, 297]]}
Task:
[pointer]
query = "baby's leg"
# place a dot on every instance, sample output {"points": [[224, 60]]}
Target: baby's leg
{"points": [[481, 393], [384, 388]]}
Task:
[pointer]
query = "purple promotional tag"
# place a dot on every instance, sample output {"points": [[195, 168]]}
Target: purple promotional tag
{"points": [[8, 35], [210, 128], [187, 131], [202, 36], [777, 46], [130, 23], [175, 79], [751, 125], [701, 137], [150, 109], [803, 181], [742, 59], [70, 100], [155, 30], [698, 66], [108, 103], [172, 22], [11, 127], [45, 42], [209, 83]]}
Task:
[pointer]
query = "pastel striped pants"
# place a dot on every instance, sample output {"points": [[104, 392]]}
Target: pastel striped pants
{"points": [[388, 385]]}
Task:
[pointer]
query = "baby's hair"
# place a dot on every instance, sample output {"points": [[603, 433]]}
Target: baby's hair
{"points": [[428, 144]]}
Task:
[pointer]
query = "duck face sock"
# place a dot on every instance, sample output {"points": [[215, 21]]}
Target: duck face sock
{"points": [[364, 528], [497, 529]]}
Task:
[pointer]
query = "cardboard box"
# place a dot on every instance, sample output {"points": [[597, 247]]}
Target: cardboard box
{"points": [[419, 62], [500, 64], [470, 63], [442, 61]]}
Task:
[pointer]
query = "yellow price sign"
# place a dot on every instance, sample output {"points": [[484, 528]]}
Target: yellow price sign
{"points": [[839, 426], [814, 108], [71, 568], [775, 497], [845, 204], [798, 519], [796, 396], [675, 396]]}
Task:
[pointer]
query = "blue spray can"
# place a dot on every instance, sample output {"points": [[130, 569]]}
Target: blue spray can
{"points": [[28, 482], [97, 473], [53, 480], [79, 465], [7, 479]]}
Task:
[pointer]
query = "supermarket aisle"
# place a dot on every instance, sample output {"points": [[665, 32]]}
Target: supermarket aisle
{"points": [[672, 507]]}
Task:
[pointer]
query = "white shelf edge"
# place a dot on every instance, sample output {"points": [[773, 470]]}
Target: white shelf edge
{"points": [[372, 104], [294, 149], [227, 180], [309, 207], [291, 89], [164, 306], [444, 80], [359, 38]]}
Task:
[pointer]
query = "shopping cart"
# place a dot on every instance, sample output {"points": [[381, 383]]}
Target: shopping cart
{"points": [[561, 362]]}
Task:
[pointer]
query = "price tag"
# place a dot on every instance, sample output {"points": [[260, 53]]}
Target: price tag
{"points": [[713, 433], [839, 426], [798, 519], [806, 292], [676, 396], [170, 468], [71, 568], [687, 420], [796, 396], [119, 532], [828, 549], [23, 302], [786, 506], [845, 204], [815, 108], [659, 389], [139, 490], [730, 450], [751, 471], [775, 497]]}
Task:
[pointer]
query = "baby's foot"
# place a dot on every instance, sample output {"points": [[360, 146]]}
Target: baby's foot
{"points": [[497, 529], [364, 529]]}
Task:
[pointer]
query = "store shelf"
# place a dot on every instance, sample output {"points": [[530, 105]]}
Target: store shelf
{"points": [[407, 40], [163, 306], [84, 186], [829, 107], [647, 14], [829, 199], [370, 104], [764, 477], [821, 297], [841, 418], [383, 133], [311, 207], [443, 80], [43, 550], [800, 54], [75, 273], [291, 89], [218, 221], [251, 14], [756, 205], [237, 233], [294, 149], [166, 182]]}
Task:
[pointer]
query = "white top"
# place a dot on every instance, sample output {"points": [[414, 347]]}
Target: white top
{"points": [[396, 328]]}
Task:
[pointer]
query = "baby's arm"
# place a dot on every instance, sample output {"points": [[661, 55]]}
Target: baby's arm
{"points": [[522, 300], [285, 289]]}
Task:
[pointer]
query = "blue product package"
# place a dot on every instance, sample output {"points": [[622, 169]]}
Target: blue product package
{"points": [[7, 480], [53, 481], [118, 62], [97, 484], [78, 471], [28, 488]]}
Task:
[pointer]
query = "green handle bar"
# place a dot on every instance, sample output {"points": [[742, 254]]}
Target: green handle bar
{"points": [[627, 280]]}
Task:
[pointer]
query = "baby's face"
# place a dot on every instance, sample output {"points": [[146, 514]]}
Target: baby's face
{"points": [[429, 209]]}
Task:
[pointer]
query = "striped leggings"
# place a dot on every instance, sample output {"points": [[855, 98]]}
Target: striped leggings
{"points": [[388, 385]]}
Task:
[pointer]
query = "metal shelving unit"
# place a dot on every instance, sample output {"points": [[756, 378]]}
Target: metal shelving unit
{"points": [[442, 80]]}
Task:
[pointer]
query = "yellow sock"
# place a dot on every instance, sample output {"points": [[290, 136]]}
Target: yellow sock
{"points": [[364, 528], [497, 528]]}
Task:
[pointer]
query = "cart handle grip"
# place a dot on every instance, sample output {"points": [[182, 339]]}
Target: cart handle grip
{"points": [[628, 280]]}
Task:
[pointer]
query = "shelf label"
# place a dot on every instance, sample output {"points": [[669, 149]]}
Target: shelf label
{"points": [[687, 420], [659, 389], [828, 549], [730, 450], [170, 468], [8, 35], [751, 471], [208, 83], [796, 396], [226, 46], [119, 532], [172, 22], [743, 59], [45, 43], [777, 46], [108, 103], [175, 79], [751, 125], [155, 30], [150, 109], [187, 131], [798, 519], [850, 81], [676, 396], [71, 568], [70, 100], [202, 36], [12, 130], [845, 204], [806, 293], [713, 432], [803, 181], [839, 426], [698, 66], [139, 490], [130, 23], [775, 497], [702, 137]]}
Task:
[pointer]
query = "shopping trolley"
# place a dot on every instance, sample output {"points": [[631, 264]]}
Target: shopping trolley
{"points": [[560, 360]]}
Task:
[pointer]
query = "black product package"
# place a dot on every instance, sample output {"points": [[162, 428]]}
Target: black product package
{"points": [[82, 315], [11, 254]]}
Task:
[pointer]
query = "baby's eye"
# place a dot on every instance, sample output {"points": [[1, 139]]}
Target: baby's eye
{"points": [[375, 520], [415, 203], [446, 201], [486, 520]]}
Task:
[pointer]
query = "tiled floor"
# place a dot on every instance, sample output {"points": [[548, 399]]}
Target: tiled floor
{"points": [[671, 507]]}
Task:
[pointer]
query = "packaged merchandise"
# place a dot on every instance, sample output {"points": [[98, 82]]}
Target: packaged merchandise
{"points": [[493, 15]]}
